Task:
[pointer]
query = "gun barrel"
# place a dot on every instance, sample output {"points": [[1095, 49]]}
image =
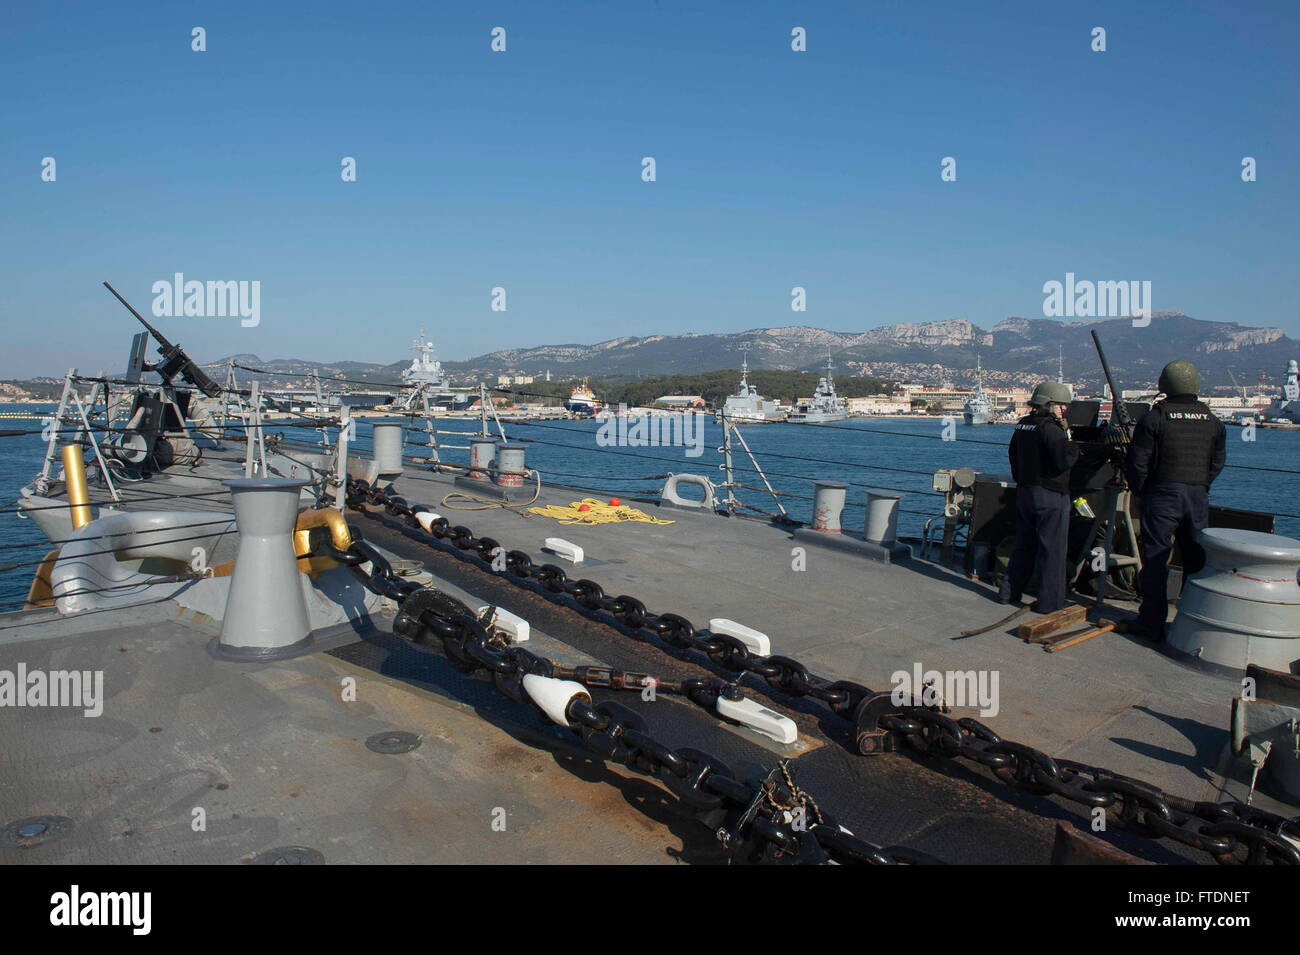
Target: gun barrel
{"points": [[1119, 412], [174, 360], [162, 342]]}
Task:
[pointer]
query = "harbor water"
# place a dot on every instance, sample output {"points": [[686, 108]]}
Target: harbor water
{"points": [[897, 455]]}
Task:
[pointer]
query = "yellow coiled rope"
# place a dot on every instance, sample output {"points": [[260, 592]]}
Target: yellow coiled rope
{"points": [[599, 512]]}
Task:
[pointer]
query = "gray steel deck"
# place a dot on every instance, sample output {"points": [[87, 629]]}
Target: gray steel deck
{"points": [[275, 758], [1114, 701]]}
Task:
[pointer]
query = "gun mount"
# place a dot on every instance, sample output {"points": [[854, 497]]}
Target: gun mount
{"points": [[174, 360]]}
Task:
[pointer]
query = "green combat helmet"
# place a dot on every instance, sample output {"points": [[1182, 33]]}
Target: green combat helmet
{"points": [[1180, 378], [1051, 392]]}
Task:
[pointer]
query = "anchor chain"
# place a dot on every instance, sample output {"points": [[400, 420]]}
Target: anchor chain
{"points": [[754, 824], [1231, 832]]}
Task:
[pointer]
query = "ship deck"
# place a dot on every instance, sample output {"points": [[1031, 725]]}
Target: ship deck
{"points": [[1115, 701], [276, 758]]}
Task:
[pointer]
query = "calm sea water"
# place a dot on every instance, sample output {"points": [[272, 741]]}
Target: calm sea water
{"points": [[20, 461], [863, 452]]}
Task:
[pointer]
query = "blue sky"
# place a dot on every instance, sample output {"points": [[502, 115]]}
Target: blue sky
{"points": [[522, 169]]}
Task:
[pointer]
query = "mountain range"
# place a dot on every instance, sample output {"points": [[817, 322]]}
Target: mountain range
{"points": [[1014, 351]]}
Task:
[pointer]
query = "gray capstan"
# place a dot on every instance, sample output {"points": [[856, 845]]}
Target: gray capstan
{"points": [[1243, 606], [265, 611]]}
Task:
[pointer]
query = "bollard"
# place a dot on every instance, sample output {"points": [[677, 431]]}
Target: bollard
{"points": [[828, 504], [510, 465], [1244, 605], [388, 450], [882, 518], [480, 457], [266, 616]]}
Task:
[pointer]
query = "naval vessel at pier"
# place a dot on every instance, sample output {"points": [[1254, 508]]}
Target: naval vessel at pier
{"points": [[825, 406], [978, 409], [746, 405]]}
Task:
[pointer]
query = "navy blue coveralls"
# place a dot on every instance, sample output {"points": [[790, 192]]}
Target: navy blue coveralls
{"points": [[1178, 449], [1041, 457]]}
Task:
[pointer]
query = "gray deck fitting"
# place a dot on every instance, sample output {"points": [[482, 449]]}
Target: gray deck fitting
{"points": [[25, 833], [669, 497], [220, 651], [387, 443], [265, 613], [854, 545], [507, 494], [392, 742]]}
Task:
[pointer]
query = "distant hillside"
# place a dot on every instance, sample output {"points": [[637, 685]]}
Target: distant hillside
{"points": [[35, 389], [1013, 351], [295, 372], [1016, 350]]}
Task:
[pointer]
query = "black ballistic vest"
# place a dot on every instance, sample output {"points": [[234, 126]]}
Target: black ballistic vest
{"points": [[1041, 455], [1186, 434]]}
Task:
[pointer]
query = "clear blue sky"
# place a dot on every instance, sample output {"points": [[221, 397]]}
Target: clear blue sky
{"points": [[522, 170]]}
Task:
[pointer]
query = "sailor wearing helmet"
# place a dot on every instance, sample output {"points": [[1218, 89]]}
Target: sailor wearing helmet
{"points": [[1041, 454]]}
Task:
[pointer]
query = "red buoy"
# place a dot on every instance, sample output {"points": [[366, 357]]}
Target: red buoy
{"points": [[584, 507], [614, 502]]}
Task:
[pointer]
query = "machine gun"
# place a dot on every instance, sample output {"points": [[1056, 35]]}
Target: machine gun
{"points": [[1103, 443], [1116, 436], [1119, 412], [174, 360]]}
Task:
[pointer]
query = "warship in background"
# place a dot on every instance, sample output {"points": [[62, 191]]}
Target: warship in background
{"points": [[1286, 408], [747, 406], [429, 384], [979, 409], [825, 407]]}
